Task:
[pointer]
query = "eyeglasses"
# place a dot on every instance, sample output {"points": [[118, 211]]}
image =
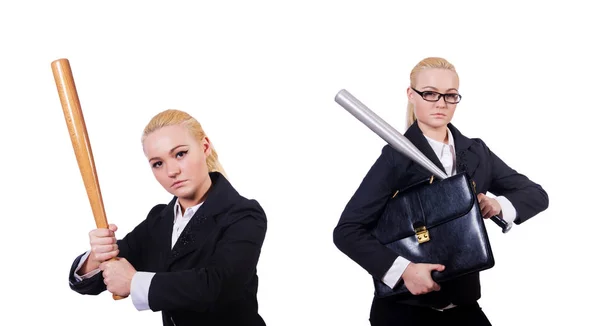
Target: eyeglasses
{"points": [[430, 96]]}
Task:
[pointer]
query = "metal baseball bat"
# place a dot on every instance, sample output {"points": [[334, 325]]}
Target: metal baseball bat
{"points": [[67, 92], [398, 141]]}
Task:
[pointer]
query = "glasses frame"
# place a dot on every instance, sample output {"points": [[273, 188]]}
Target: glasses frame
{"points": [[439, 95]]}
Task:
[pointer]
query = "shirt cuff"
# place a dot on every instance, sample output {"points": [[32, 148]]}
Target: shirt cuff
{"points": [[392, 276], [140, 285], [508, 213], [80, 278]]}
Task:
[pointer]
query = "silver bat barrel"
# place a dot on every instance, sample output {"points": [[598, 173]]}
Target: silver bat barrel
{"points": [[396, 140]]}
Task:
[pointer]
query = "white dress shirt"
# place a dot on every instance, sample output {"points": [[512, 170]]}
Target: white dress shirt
{"points": [[140, 284], [447, 156]]}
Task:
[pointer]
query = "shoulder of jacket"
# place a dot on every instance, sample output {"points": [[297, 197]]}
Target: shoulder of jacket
{"points": [[244, 207], [156, 210], [478, 142], [394, 157]]}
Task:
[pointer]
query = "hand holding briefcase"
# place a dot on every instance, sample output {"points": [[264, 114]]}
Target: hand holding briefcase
{"points": [[437, 222]]}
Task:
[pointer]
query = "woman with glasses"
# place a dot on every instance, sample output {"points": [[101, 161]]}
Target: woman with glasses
{"points": [[433, 96]]}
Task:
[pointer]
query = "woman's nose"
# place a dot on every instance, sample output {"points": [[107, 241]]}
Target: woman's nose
{"points": [[173, 170], [441, 102]]}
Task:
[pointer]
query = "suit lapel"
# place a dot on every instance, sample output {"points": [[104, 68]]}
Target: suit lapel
{"points": [[466, 160], [204, 221], [415, 136], [193, 236], [163, 231]]}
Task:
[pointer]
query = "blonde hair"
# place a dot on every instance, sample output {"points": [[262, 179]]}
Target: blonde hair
{"points": [[427, 63], [176, 117]]}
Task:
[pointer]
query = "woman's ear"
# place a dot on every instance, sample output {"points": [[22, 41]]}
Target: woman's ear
{"points": [[206, 146], [410, 94]]}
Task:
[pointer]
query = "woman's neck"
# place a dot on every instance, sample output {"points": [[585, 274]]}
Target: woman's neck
{"points": [[436, 133], [199, 196]]}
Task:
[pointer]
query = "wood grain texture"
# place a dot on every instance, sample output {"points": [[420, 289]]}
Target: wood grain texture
{"points": [[69, 99]]}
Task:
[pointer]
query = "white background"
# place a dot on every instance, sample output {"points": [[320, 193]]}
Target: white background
{"points": [[261, 78]]}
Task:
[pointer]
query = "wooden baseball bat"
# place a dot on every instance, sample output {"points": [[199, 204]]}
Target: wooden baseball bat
{"points": [[69, 100]]}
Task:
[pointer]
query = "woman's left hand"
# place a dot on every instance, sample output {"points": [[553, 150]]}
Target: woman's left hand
{"points": [[489, 206], [117, 276]]}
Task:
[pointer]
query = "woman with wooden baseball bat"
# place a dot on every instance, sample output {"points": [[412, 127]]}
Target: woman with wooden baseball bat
{"points": [[194, 259]]}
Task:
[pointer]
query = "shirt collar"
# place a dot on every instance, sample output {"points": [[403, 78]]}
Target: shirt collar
{"points": [[177, 209], [438, 146]]}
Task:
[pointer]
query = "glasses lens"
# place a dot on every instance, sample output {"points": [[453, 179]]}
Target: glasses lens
{"points": [[452, 98], [431, 96]]}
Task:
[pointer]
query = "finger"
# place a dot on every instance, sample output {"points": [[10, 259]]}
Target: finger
{"points": [[489, 212], [112, 227], [435, 287], [101, 233], [483, 207], [483, 201], [102, 249], [437, 267], [484, 211], [103, 241], [496, 210], [107, 256], [480, 197]]}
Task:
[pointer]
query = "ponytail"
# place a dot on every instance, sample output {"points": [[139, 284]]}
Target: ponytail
{"points": [[212, 161], [410, 115]]}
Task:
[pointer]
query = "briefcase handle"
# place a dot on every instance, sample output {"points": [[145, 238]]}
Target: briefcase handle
{"points": [[505, 226]]}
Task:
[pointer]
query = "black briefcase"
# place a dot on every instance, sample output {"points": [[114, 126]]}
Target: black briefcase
{"points": [[438, 222]]}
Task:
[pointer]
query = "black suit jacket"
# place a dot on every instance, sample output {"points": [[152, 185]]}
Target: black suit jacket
{"points": [[209, 277], [392, 171]]}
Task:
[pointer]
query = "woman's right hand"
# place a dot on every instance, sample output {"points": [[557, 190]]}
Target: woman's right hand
{"points": [[103, 244], [103, 247], [417, 278]]}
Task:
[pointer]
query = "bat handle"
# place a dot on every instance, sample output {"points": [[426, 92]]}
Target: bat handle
{"points": [[497, 219], [502, 223]]}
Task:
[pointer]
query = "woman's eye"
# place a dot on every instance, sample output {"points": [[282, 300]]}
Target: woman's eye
{"points": [[156, 164], [430, 95], [181, 154]]}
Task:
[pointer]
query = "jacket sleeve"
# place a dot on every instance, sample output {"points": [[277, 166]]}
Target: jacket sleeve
{"points": [[231, 267], [93, 285], [129, 248], [527, 197], [352, 235]]}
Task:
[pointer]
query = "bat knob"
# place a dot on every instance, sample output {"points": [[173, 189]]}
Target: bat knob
{"points": [[502, 223], [118, 297]]}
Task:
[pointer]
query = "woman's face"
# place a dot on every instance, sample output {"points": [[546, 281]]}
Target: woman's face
{"points": [[431, 82], [178, 162]]}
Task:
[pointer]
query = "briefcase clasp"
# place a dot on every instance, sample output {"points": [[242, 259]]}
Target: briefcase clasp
{"points": [[422, 234]]}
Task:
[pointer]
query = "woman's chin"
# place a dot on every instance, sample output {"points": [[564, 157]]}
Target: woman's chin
{"points": [[436, 123], [181, 192]]}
